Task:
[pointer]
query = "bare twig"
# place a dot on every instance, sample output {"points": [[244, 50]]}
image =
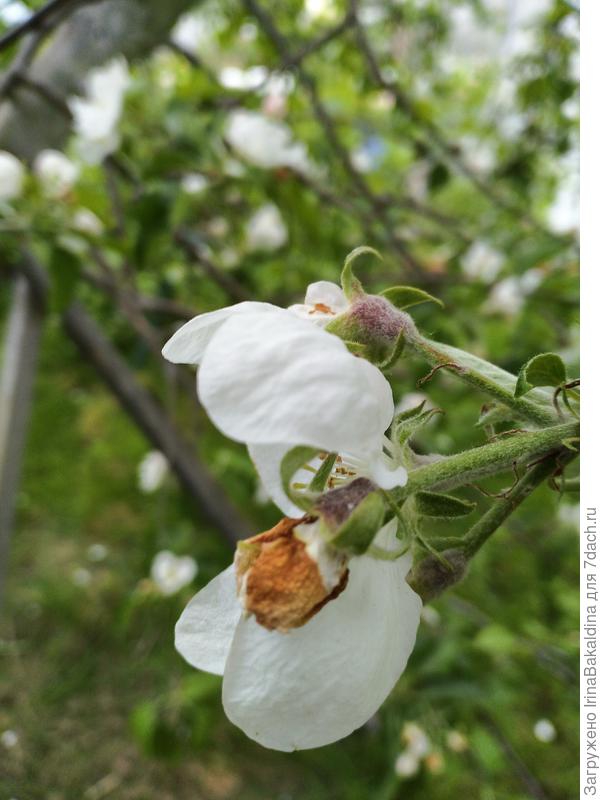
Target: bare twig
{"points": [[38, 21], [234, 290]]}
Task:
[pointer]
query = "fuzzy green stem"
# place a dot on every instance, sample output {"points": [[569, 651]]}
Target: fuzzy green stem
{"points": [[463, 468], [504, 507], [441, 355], [430, 576]]}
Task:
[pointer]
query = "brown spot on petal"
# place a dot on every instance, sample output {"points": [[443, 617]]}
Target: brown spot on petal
{"points": [[278, 580]]}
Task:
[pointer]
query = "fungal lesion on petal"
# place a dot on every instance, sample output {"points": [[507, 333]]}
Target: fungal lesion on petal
{"points": [[287, 574]]}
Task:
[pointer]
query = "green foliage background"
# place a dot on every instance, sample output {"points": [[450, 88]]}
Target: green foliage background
{"points": [[90, 681]]}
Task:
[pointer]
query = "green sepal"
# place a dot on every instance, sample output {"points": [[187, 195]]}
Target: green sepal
{"points": [[397, 350], [356, 534], [292, 461], [406, 296], [405, 425], [545, 369], [442, 506], [350, 284]]}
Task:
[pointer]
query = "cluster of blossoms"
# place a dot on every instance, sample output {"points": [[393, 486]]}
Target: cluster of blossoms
{"points": [[313, 623]]}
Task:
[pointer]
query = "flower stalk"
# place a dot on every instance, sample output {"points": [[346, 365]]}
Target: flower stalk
{"points": [[463, 468], [484, 376]]}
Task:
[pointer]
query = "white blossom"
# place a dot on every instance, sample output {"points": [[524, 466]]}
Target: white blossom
{"points": [[233, 77], [509, 295], [274, 381], [81, 577], [96, 115], [194, 183], [265, 142], [171, 573], [457, 741], [9, 739], [316, 683], [85, 221], [407, 764], [12, 174], [544, 731], [417, 741], [15, 12], [266, 230], [482, 262], [56, 172], [152, 471], [97, 552]]}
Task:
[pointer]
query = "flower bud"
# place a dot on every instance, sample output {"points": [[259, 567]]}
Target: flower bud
{"points": [[287, 574], [374, 323]]}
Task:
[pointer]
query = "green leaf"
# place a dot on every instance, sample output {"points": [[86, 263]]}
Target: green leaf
{"points": [[294, 460], [443, 506], [407, 296], [358, 531], [494, 415], [407, 424], [350, 283], [545, 369]]}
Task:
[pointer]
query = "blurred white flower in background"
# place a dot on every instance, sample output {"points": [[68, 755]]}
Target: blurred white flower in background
{"points": [[14, 13], [12, 175], [457, 741], [152, 471], [190, 31], [85, 221], [9, 739], [406, 765], [418, 748], [266, 230], [430, 616], [509, 295], [96, 115], [563, 214], [570, 514], [97, 552], [171, 573], [194, 183], [544, 731], [56, 172], [482, 262], [265, 142], [232, 77], [417, 741], [81, 577]]}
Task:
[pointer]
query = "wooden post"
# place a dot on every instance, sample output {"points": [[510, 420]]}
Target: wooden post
{"points": [[17, 373]]}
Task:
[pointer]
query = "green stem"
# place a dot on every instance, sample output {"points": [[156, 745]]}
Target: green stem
{"points": [[504, 507], [463, 468], [486, 377]]}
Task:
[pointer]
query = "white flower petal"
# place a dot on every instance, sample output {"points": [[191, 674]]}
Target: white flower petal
{"points": [[316, 684], [267, 460], [327, 293], [274, 379], [188, 344], [205, 630], [387, 477]]}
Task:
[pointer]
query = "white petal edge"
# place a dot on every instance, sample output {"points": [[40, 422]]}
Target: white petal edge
{"points": [[267, 461], [205, 630], [275, 379], [187, 345], [317, 684], [327, 293]]}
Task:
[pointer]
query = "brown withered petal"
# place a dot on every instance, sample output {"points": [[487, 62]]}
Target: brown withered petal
{"points": [[279, 582]]}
